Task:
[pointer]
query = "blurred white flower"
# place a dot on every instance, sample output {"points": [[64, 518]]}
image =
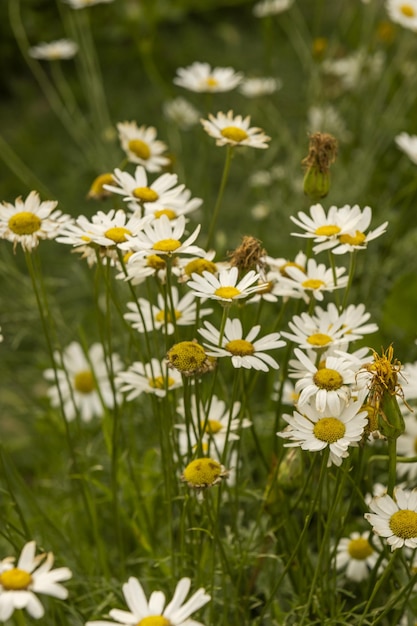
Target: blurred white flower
{"points": [[54, 51], [200, 77]]}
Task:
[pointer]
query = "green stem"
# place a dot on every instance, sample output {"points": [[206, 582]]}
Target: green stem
{"points": [[225, 175]]}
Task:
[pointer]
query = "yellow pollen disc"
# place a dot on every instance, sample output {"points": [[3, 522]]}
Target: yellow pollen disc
{"points": [[170, 213], [328, 379], [359, 549], [160, 316], [154, 620], [24, 223], [228, 293], [319, 339], [127, 256], [198, 266], [15, 579], [407, 10], [212, 426], [283, 268], [84, 381], [240, 347], [145, 194], [97, 190], [202, 472], [327, 231], [234, 133], [159, 382], [139, 148], [211, 81], [86, 239], [329, 429], [155, 261], [403, 523], [372, 417], [167, 245], [187, 356], [117, 234], [353, 240], [312, 283]]}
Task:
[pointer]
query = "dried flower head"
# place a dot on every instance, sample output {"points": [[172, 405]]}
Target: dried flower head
{"points": [[189, 358], [249, 255], [322, 151], [204, 472]]}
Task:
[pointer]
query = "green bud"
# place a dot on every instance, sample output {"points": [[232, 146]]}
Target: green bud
{"points": [[316, 184], [390, 421]]}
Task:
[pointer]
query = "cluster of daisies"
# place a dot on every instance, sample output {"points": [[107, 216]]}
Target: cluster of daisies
{"points": [[21, 583]]}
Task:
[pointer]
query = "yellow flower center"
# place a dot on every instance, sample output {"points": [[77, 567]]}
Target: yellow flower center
{"points": [[312, 283], [145, 194], [170, 213], [127, 256], [187, 356], [139, 149], [327, 231], [198, 266], [84, 381], [240, 347], [155, 261], [154, 620], [234, 133], [212, 426], [24, 223], [211, 81], [15, 579], [319, 339], [161, 316], [204, 472], [117, 234], [166, 245], [359, 549], [329, 429], [96, 189], [407, 10], [328, 379], [227, 293], [403, 524], [353, 240], [283, 268], [158, 382]]}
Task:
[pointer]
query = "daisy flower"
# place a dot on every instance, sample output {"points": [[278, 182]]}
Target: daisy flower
{"points": [[245, 352], [83, 381], [182, 112], [152, 377], [163, 237], [156, 611], [81, 4], [357, 239], [32, 575], [156, 317], [141, 146], [314, 281], [408, 144], [234, 130], [155, 196], [395, 519], [28, 221], [226, 287], [315, 431], [271, 7], [54, 51], [328, 384], [403, 12], [357, 555], [325, 229], [200, 77], [138, 269], [198, 265], [181, 204], [256, 87]]}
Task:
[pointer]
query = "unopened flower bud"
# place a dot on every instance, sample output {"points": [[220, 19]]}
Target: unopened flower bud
{"points": [[321, 154]]}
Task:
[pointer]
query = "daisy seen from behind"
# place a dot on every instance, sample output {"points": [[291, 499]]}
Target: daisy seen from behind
{"points": [[61, 49], [141, 146], [356, 556], [234, 130], [155, 611], [20, 583], [30, 220], [315, 431], [202, 78], [83, 380], [395, 519], [247, 352], [226, 287]]}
